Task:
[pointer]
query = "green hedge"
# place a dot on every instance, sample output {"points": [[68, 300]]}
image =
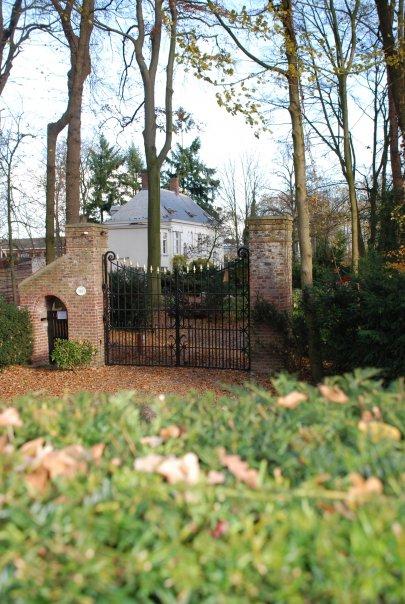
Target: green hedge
{"points": [[361, 321], [110, 533], [15, 335]]}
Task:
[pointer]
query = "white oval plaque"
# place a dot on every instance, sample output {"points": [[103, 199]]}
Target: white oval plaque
{"points": [[81, 290]]}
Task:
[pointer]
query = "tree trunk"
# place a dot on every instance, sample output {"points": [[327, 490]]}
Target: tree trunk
{"points": [[14, 291], [398, 182], [304, 234], [372, 199], [153, 215], [53, 131], [73, 154], [79, 46], [394, 52], [349, 175]]}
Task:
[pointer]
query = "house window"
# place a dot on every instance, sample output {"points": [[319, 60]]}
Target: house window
{"points": [[177, 242], [164, 244]]}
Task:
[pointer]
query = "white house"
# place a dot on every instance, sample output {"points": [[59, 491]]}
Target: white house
{"points": [[185, 228]]}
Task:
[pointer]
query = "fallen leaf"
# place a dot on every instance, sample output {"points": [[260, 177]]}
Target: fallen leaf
{"points": [[215, 477], [378, 431], [173, 469], [32, 447], [333, 394], [64, 463], [97, 452], [291, 400], [363, 489], [152, 441], [148, 463], [239, 469], [172, 431], [37, 480], [76, 452], [10, 417], [185, 469]]}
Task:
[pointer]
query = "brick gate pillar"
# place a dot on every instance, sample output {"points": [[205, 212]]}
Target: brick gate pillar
{"points": [[76, 280], [270, 257]]}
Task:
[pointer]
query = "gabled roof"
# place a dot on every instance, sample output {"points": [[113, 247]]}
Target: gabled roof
{"points": [[172, 207]]}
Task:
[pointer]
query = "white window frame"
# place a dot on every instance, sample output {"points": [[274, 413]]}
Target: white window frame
{"points": [[177, 243], [165, 241]]}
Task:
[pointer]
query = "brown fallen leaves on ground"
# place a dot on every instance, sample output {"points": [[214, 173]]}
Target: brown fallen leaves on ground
{"points": [[17, 381]]}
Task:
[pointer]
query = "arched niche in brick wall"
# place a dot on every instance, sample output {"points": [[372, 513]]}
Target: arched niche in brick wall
{"points": [[57, 320]]}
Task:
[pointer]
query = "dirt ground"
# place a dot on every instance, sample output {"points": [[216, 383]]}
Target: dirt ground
{"points": [[17, 381]]}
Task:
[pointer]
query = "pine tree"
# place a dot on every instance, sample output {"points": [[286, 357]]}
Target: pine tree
{"points": [[195, 178], [105, 179], [134, 165]]}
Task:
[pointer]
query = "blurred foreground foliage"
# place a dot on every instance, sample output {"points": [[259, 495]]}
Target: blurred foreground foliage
{"points": [[317, 519]]}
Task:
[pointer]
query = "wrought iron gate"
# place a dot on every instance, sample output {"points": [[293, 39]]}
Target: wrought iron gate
{"points": [[196, 317]]}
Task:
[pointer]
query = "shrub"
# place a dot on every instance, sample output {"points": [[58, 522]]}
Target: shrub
{"points": [[107, 533], [69, 354], [198, 262], [15, 335], [179, 262], [361, 320]]}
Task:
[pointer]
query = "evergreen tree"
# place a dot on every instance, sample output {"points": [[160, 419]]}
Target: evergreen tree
{"points": [[105, 179], [133, 167], [195, 178]]}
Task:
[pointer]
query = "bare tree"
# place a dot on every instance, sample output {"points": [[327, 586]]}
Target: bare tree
{"points": [[242, 187], [331, 34], [18, 19], [77, 25], [10, 141]]}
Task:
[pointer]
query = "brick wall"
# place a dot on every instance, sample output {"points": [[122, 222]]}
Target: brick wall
{"points": [[270, 256], [80, 266]]}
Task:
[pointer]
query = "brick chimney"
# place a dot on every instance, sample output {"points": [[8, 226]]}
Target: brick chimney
{"points": [[144, 180], [174, 184]]}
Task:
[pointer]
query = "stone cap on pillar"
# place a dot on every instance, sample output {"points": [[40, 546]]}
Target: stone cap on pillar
{"points": [[269, 220], [85, 236], [278, 228]]}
